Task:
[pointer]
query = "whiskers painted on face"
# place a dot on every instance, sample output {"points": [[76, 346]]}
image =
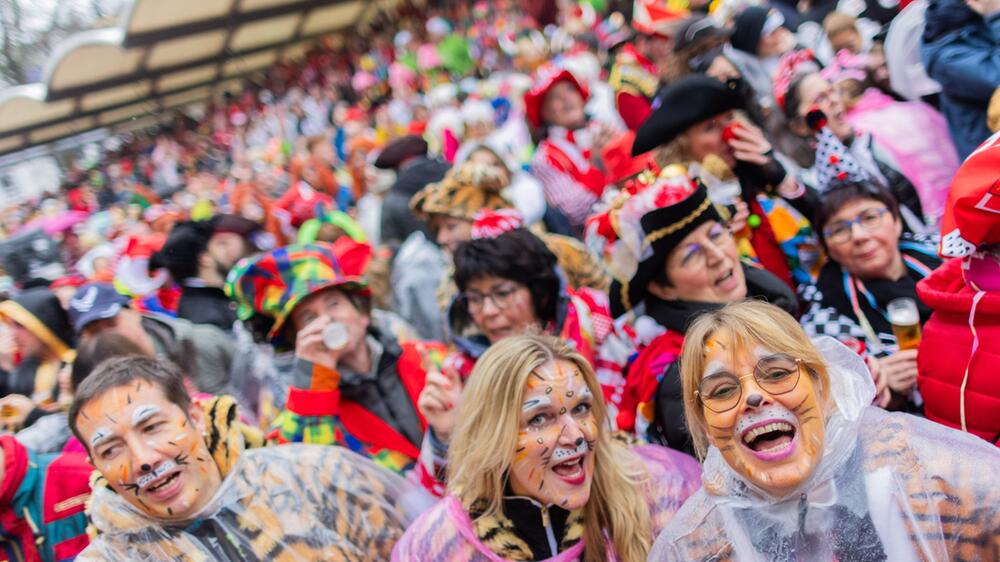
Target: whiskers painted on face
{"points": [[157, 472], [805, 414]]}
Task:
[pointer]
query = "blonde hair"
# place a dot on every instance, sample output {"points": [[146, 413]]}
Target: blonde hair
{"points": [[839, 22], [481, 452], [749, 323]]}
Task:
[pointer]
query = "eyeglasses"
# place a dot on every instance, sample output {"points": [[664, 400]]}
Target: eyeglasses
{"points": [[843, 231], [695, 255], [777, 374], [501, 296]]}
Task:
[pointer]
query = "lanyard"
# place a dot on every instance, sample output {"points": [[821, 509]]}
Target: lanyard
{"points": [[854, 286]]}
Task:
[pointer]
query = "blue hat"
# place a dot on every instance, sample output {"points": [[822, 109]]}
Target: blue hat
{"points": [[95, 301]]}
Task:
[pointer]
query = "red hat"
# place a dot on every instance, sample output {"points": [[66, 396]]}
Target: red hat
{"points": [[972, 216], [546, 77], [618, 159], [490, 224], [657, 17]]}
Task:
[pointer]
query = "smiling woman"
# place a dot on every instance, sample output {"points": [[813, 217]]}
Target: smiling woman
{"points": [[799, 466], [534, 473]]}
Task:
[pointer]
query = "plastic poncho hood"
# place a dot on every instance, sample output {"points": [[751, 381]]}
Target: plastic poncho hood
{"points": [[888, 486]]}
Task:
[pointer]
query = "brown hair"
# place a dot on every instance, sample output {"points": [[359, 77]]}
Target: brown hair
{"points": [[121, 371], [838, 22]]}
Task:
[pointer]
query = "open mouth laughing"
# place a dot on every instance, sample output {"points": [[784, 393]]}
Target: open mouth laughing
{"points": [[770, 440], [572, 471]]}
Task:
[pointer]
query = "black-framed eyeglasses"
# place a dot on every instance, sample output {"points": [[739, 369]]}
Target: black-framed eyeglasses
{"points": [[777, 374], [843, 231], [501, 296]]}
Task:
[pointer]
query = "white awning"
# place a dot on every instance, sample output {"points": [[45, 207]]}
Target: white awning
{"points": [[164, 55]]}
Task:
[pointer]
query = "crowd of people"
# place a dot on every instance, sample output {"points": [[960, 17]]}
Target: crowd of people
{"points": [[550, 280]]}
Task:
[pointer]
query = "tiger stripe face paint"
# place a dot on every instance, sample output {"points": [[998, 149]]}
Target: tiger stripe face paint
{"points": [[145, 447], [553, 461]]}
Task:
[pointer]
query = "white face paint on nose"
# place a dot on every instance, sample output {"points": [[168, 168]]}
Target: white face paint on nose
{"points": [[159, 471]]}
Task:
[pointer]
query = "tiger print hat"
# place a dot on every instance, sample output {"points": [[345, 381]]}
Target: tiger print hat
{"points": [[466, 190]]}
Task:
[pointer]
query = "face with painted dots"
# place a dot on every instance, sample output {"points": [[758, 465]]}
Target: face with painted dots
{"points": [[775, 440], [554, 457], [151, 452]]}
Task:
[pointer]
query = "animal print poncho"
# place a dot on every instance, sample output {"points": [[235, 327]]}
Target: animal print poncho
{"points": [[291, 502]]}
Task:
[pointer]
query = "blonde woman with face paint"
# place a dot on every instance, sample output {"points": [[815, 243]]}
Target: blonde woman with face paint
{"points": [[535, 474], [798, 465]]}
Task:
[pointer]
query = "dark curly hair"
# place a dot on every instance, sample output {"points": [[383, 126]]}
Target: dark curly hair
{"points": [[519, 256]]}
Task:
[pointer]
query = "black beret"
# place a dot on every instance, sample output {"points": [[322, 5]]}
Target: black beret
{"points": [[747, 29], [690, 100], [399, 150]]}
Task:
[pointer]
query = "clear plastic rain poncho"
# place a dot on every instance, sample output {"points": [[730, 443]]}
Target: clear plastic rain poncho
{"points": [[888, 486], [293, 502], [446, 533]]}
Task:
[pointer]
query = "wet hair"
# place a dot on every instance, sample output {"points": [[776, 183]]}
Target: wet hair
{"points": [[94, 351], [843, 193], [128, 371], [519, 256]]}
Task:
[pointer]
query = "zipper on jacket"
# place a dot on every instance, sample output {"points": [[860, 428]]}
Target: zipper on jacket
{"points": [[547, 523]]}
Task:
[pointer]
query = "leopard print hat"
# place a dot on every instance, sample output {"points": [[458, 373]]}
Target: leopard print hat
{"points": [[466, 190]]}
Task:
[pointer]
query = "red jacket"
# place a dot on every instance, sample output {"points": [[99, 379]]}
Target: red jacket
{"points": [[946, 356]]}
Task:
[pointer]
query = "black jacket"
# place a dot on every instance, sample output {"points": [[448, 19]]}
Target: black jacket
{"points": [[398, 222], [207, 305]]}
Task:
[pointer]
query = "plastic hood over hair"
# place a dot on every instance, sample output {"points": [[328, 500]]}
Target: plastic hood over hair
{"points": [[293, 502], [888, 486]]}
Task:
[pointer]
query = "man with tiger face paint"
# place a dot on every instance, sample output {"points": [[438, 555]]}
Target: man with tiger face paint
{"points": [[799, 465], [175, 482]]}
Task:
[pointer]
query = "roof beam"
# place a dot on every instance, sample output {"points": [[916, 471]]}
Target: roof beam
{"points": [[229, 20], [144, 74]]}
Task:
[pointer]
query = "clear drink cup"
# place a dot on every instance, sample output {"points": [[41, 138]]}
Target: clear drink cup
{"points": [[905, 319]]}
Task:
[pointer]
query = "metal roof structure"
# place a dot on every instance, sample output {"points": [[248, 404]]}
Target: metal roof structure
{"points": [[165, 54]]}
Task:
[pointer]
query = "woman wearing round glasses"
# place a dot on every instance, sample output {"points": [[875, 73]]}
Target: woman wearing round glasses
{"points": [[871, 264], [799, 466], [536, 475]]}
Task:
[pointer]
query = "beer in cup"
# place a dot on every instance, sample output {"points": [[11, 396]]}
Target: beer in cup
{"points": [[905, 320]]}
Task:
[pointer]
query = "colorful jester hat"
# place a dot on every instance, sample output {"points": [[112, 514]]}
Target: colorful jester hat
{"points": [[642, 225], [834, 163], [274, 282]]}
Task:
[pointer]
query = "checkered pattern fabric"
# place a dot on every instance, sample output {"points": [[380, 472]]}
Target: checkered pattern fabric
{"points": [[274, 282], [822, 320]]}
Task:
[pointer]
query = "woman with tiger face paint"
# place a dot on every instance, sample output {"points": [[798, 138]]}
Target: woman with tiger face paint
{"points": [[799, 465], [534, 473]]}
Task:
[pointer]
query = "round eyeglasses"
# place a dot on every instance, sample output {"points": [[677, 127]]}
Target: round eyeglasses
{"points": [[777, 374]]}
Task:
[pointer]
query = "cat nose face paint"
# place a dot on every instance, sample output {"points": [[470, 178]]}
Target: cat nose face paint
{"points": [[554, 457], [150, 451], [774, 440]]}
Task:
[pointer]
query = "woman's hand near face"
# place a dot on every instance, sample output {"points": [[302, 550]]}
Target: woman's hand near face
{"points": [[439, 400], [750, 145], [310, 347], [900, 371]]}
